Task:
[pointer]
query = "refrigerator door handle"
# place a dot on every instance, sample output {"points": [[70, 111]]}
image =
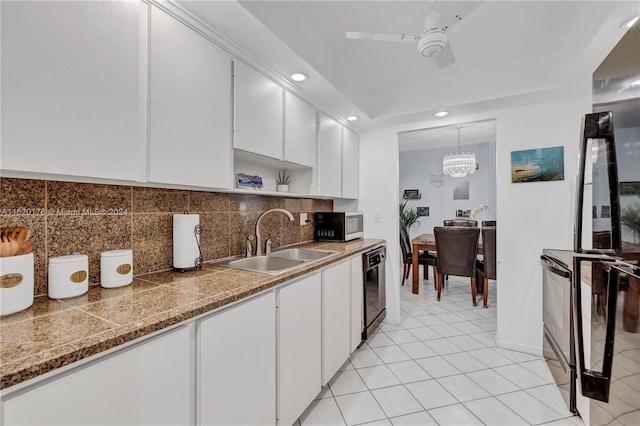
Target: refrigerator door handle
{"points": [[595, 384], [554, 268]]}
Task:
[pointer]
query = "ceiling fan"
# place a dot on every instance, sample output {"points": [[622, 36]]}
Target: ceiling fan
{"points": [[433, 42]]}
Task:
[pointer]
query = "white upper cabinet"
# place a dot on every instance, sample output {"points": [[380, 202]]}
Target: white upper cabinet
{"points": [[329, 157], [74, 88], [350, 163], [190, 107], [258, 113], [299, 131]]}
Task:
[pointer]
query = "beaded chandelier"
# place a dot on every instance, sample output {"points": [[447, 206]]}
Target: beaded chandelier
{"points": [[459, 164]]}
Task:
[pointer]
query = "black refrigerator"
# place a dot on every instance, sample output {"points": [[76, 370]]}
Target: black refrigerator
{"points": [[591, 293]]}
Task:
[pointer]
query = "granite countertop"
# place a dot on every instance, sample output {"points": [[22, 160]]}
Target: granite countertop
{"points": [[55, 333]]}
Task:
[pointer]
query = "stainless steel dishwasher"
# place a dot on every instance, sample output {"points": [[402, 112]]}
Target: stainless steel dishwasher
{"points": [[374, 289]]}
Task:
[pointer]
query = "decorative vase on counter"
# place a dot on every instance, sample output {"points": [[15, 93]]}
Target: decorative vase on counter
{"points": [[282, 188]]}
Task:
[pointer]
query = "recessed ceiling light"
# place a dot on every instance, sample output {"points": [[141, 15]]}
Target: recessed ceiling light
{"points": [[352, 118], [635, 83], [299, 76], [630, 22], [441, 113]]}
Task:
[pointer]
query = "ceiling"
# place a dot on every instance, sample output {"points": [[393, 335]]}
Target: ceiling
{"points": [[471, 133], [505, 51]]}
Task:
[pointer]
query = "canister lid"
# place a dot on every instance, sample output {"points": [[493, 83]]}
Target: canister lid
{"points": [[72, 258], [116, 253]]}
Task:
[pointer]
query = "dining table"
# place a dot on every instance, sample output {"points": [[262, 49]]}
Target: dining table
{"points": [[425, 242]]}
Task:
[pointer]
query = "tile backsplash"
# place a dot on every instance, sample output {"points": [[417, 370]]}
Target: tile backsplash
{"points": [[68, 217]]}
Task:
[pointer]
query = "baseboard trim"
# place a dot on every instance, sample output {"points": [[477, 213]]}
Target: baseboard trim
{"points": [[508, 344]]}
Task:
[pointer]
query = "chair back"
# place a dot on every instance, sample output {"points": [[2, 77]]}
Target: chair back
{"points": [[405, 243], [461, 222], [488, 223], [457, 248], [601, 239], [489, 251]]}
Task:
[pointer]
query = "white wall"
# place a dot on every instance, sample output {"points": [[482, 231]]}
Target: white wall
{"points": [[416, 168], [534, 215], [378, 200]]}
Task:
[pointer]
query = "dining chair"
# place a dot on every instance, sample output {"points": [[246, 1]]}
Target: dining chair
{"points": [[488, 223], [425, 259], [461, 222], [600, 240], [457, 247], [487, 266]]}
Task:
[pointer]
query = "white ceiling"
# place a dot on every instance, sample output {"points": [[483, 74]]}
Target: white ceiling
{"points": [[506, 51], [471, 133]]}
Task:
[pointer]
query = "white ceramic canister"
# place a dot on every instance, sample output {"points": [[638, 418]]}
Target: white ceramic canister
{"points": [[68, 276], [16, 283], [116, 268]]}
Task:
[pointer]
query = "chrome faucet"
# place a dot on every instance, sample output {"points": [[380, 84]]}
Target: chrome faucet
{"points": [[258, 237]]}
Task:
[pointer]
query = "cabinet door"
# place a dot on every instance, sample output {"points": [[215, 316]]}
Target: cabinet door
{"points": [[357, 302], [350, 163], [258, 113], [299, 347], [329, 157], [151, 383], [237, 364], [299, 131], [336, 331], [73, 90], [190, 107]]}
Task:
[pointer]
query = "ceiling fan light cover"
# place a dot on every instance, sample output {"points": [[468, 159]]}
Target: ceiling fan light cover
{"points": [[432, 43], [459, 164]]}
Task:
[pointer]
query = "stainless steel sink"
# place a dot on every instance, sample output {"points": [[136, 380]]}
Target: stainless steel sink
{"points": [[265, 264], [278, 261], [304, 254]]}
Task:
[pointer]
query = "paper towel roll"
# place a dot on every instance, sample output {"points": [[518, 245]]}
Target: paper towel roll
{"points": [[186, 251]]}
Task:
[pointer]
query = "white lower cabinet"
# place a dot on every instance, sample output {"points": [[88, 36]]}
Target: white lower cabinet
{"points": [[299, 347], [357, 302], [147, 384], [259, 362], [336, 316], [237, 364]]}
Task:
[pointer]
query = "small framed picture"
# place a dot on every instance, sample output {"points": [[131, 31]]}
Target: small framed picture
{"points": [[422, 211], [411, 194], [629, 188], [605, 212], [249, 182]]}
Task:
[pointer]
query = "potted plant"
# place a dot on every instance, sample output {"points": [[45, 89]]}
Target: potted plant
{"points": [[282, 181], [408, 215], [630, 217]]}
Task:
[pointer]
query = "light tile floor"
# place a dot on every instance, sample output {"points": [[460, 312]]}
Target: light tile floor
{"points": [[440, 366]]}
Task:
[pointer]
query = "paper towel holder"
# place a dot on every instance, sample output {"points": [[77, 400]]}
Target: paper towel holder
{"points": [[197, 262]]}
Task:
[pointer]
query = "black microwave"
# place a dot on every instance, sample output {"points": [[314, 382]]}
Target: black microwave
{"points": [[338, 226]]}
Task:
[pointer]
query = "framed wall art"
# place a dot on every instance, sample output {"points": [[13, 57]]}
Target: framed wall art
{"points": [[537, 165], [411, 194]]}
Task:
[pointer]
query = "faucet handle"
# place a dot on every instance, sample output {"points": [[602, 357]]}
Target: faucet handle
{"points": [[249, 250], [268, 248]]}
